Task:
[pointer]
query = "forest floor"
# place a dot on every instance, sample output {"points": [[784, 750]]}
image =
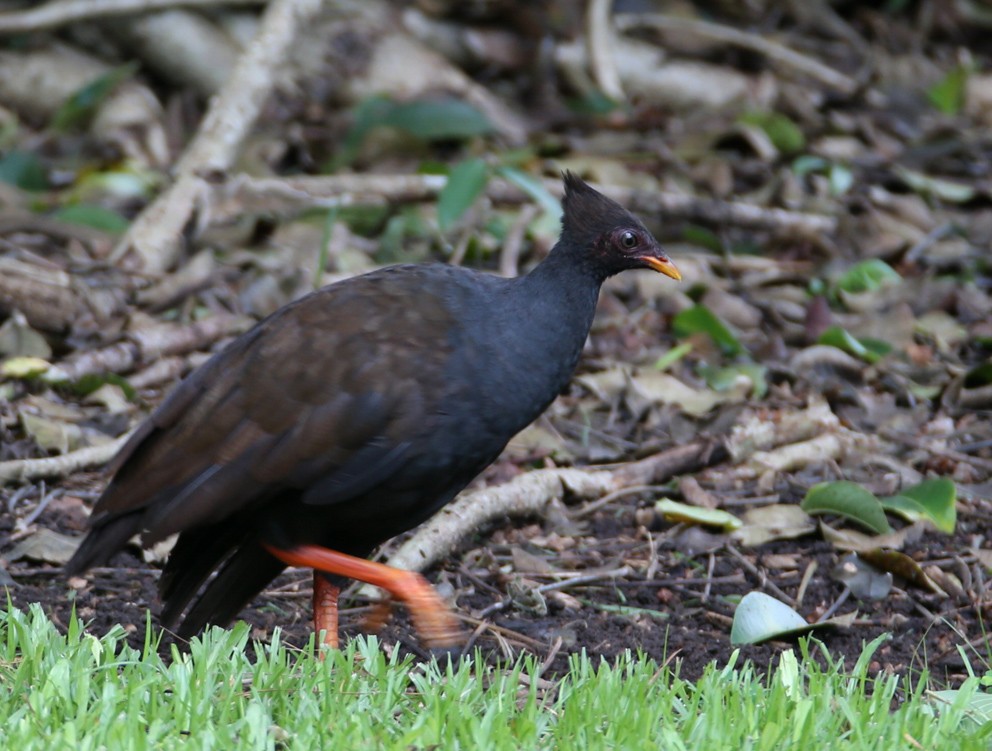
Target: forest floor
{"points": [[834, 324]]}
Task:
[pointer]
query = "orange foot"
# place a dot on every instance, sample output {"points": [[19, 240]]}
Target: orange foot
{"points": [[436, 625]]}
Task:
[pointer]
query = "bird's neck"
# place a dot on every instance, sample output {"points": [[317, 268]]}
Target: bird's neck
{"points": [[564, 287], [557, 302]]}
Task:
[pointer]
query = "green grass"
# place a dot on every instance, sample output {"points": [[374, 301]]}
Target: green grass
{"points": [[77, 691]]}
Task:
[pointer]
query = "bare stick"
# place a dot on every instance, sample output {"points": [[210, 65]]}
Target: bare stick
{"points": [[25, 470], [63, 12], [774, 51], [530, 493], [146, 345], [273, 196], [509, 256], [155, 235], [601, 42]]}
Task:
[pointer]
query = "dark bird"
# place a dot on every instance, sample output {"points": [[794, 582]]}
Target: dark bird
{"points": [[352, 415]]}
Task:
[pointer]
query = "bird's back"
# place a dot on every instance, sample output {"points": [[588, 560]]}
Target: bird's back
{"points": [[341, 420]]}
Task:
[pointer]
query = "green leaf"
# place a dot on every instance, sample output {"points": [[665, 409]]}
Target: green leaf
{"points": [[709, 517], [126, 183], [850, 500], [81, 106], [533, 187], [841, 179], [87, 384], [867, 276], [428, 119], [722, 379], [977, 705], [465, 183], [784, 134], [760, 617], [869, 350], [948, 94], [91, 215], [593, 103], [437, 119], [933, 499], [23, 169], [672, 356], [701, 320], [807, 163], [703, 237], [980, 375], [23, 367]]}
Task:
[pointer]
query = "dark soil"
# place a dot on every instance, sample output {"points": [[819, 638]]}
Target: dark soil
{"points": [[677, 617], [885, 320]]}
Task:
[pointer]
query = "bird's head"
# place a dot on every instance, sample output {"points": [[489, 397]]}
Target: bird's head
{"points": [[602, 230]]}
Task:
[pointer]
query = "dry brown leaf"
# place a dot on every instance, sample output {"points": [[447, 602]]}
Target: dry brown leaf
{"points": [[535, 439], [661, 388], [849, 539], [779, 521], [528, 563], [45, 545], [695, 494], [52, 435], [901, 565], [781, 562]]}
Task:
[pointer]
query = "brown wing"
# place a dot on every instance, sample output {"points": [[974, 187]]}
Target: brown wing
{"points": [[324, 395]]}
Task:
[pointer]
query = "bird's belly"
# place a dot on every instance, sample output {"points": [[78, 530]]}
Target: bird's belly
{"points": [[360, 524]]}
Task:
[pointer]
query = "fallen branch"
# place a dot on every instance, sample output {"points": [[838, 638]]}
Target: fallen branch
{"points": [[531, 493], [723, 213], [63, 12], [155, 235], [54, 300], [27, 470], [934, 447], [602, 46], [146, 345], [774, 51], [280, 197]]}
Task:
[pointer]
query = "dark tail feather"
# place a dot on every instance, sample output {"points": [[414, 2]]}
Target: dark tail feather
{"points": [[241, 577], [105, 539], [196, 555]]}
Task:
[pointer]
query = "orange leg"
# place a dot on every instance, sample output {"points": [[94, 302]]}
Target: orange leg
{"points": [[325, 609], [379, 616], [434, 622]]}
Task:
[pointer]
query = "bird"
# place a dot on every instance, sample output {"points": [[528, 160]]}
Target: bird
{"points": [[352, 415]]}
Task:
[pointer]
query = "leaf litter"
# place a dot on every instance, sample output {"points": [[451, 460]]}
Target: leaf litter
{"points": [[858, 359]]}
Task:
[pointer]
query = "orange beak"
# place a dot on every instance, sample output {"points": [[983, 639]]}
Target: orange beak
{"points": [[663, 265]]}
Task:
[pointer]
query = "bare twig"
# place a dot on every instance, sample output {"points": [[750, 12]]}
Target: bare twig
{"points": [[531, 493], [509, 256], [155, 235], [829, 612], [54, 300], [277, 197], [25, 470], [763, 580], [62, 12], [933, 448], [599, 37], [273, 196], [725, 212], [606, 500], [574, 581], [145, 346], [804, 582], [774, 51]]}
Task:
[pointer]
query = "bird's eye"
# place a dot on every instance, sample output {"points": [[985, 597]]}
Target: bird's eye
{"points": [[628, 240]]}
